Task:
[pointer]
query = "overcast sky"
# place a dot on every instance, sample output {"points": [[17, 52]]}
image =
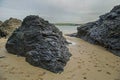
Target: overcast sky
{"points": [[77, 11]]}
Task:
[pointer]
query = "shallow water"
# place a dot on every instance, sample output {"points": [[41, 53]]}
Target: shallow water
{"points": [[68, 29]]}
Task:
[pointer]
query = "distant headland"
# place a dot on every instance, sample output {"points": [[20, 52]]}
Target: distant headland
{"points": [[67, 24]]}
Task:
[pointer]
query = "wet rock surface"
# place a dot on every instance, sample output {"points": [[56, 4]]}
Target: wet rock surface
{"points": [[105, 31], [7, 27], [41, 43]]}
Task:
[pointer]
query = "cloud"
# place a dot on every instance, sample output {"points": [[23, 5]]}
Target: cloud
{"points": [[77, 11]]}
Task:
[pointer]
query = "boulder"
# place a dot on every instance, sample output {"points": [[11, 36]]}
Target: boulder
{"points": [[1, 23], [41, 43], [105, 31], [9, 26]]}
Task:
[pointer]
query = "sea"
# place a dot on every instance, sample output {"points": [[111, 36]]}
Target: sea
{"points": [[68, 29]]}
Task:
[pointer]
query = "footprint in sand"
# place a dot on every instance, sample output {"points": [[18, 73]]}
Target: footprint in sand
{"points": [[78, 62], [111, 66], [3, 78], [84, 73], [108, 73], [89, 61], [83, 62], [99, 70], [117, 64], [42, 74], [79, 66], [3, 65], [12, 68], [71, 76], [20, 72], [27, 75], [88, 69], [91, 57], [107, 64], [40, 79], [94, 55], [117, 61], [12, 72], [68, 78], [103, 66], [95, 66], [84, 77], [96, 59], [80, 59], [117, 70]]}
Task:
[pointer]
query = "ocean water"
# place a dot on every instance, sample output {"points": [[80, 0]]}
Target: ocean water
{"points": [[68, 29]]}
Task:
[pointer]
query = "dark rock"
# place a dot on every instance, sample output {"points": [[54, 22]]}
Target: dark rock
{"points": [[2, 57], [72, 35], [105, 31], [9, 26], [3, 34], [1, 23], [41, 43]]}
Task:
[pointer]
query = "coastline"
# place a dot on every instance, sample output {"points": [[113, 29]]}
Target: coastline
{"points": [[88, 62]]}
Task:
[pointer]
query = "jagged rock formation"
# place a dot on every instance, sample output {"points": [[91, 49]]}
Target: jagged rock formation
{"points": [[1, 23], [105, 31], [41, 43], [9, 26], [1, 33]]}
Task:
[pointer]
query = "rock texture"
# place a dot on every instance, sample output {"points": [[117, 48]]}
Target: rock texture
{"points": [[1, 23], [41, 43], [9, 26], [105, 31]]}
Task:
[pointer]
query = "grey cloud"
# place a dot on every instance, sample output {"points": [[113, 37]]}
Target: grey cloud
{"points": [[77, 11]]}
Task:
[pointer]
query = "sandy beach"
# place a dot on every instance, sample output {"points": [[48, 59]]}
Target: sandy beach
{"points": [[88, 62]]}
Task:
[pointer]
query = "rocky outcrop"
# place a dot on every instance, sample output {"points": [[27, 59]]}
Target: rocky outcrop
{"points": [[41, 43], [105, 31], [9, 26], [1, 23], [1, 33]]}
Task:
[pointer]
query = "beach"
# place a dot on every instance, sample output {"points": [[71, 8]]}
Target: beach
{"points": [[60, 40], [88, 62]]}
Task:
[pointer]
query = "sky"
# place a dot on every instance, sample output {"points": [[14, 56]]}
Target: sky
{"points": [[56, 11]]}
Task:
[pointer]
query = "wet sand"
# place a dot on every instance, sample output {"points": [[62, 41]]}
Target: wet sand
{"points": [[88, 62]]}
